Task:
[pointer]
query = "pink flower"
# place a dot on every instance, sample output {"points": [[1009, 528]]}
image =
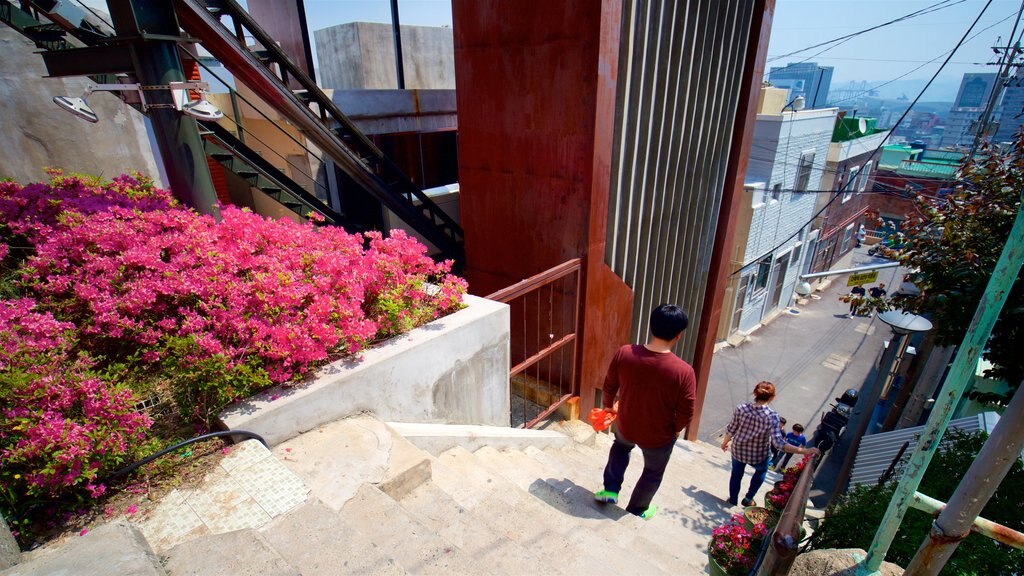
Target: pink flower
{"points": [[131, 510]]}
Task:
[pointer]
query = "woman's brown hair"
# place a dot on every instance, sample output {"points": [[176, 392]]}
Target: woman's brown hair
{"points": [[764, 391]]}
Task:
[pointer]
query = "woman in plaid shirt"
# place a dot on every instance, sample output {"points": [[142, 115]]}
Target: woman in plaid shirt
{"points": [[754, 426]]}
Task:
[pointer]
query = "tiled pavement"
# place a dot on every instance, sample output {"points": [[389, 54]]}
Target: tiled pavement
{"points": [[248, 489]]}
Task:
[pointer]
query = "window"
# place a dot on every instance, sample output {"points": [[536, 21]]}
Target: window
{"points": [[847, 236], [764, 268], [864, 175], [851, 184], [795, 259], [776, 192], [803, 171]]}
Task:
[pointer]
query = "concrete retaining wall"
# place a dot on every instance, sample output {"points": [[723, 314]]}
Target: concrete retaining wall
{"points": [[451, 371]]}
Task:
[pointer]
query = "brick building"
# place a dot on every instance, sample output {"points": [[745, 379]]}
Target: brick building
{"points": [[843, 205], [903, 173]]}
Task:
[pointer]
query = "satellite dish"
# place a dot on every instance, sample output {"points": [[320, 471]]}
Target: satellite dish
{"points": [[77, 106], [863, 125]]}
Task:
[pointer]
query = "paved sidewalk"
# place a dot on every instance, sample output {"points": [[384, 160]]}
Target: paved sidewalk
{"points": [[812, 357]]}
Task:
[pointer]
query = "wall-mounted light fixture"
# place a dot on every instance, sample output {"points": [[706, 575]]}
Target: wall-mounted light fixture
{"points": [[201, 108]]}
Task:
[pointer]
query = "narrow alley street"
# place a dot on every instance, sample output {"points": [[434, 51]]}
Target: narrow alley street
{"points": [[812, 356]]}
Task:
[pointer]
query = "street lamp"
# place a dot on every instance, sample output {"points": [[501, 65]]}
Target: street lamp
{"points": [[903, 324]]}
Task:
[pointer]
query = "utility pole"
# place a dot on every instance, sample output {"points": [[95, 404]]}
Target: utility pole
{"points": [[1008, 59]]}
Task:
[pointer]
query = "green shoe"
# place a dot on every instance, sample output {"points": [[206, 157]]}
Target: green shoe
{"points": [[650, 512], [606, 497]]}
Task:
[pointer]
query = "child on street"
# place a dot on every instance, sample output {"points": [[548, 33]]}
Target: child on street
{"points": [[796, 438]]}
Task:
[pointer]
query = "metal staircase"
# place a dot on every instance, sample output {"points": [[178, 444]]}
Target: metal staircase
{"points": [[267, 70], [55, 26], [70, 29], [236, 157]]}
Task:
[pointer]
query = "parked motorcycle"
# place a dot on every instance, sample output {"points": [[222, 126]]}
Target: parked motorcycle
{"points": [[834, 422]]}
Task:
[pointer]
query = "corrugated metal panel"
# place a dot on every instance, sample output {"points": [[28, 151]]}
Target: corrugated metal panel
{"points": [[877, 451], [679, 82]]}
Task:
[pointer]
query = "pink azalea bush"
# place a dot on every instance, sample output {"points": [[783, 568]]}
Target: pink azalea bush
{"points": [[735, 547], [60, 425], [136, 289]]}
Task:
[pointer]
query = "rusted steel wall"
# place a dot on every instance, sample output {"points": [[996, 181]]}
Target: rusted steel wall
{"points": [[285, 21], [536, 85], [601, 130], [525, 83]]}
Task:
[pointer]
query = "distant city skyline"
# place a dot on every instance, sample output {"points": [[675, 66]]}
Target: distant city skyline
{"points": [[892, 51]]}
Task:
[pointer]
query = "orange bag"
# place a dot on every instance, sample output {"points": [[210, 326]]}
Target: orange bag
{"points": [[600, 419]]}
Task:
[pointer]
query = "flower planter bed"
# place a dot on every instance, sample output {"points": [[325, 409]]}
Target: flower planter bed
{"points": [[453, 370]]}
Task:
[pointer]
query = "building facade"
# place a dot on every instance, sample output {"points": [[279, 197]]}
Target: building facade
{"points": [[843, 205], [361, 55], [970, 102], [806, 79], [1010, 113], [787, 156], [903, 173]]}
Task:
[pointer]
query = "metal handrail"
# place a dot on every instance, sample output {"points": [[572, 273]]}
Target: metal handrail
{"points": [[132, 467], [784, 543], [523, 286]]}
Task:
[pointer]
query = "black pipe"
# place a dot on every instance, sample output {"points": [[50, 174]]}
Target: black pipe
{"points": [[165, 451], [396, 31]]}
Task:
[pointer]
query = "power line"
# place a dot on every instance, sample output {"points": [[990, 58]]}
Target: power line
{"points": [[900, 77], [876, 150], [943, 4]]}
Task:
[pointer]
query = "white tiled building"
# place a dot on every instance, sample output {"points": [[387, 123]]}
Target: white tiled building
{"points": [[783, 177]]}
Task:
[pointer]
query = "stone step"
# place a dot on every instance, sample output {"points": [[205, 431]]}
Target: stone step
{"points": [[541, 529], [436, 438], [240, 553], [686, 514], [631, 539], [317, 542], [471, 530], [336, 459], [594, 526], [115, 548], [417, 548]]}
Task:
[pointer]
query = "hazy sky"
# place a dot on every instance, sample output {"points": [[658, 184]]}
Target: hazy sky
{"points": [[896, 49]]}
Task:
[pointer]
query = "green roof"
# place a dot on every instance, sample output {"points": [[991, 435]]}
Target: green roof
{"points": [[894, 154], [908, 161], [849, 128]]}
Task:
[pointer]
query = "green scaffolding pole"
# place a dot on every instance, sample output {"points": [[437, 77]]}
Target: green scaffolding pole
{"points": [[959, 378]]}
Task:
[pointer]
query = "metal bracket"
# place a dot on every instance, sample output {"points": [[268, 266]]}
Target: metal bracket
{"points": [[179, 91]]}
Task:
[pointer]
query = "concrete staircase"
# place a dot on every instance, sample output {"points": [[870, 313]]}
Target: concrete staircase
{"points": [[376, 503]]}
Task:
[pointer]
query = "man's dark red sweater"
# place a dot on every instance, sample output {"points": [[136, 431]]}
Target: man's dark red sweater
{"points": [[656, 393]]}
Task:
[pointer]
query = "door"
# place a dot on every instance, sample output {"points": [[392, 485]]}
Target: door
{"points": [[741, 299], [779, 272]]}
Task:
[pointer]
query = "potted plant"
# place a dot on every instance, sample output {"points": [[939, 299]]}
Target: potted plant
{"points": [[777, 498], [757, 515], [734, 547]]}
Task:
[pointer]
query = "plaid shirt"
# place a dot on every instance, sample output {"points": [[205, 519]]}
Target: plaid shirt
{"points": [[753, 428]]}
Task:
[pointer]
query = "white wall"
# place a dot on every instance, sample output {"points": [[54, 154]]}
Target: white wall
{"points": [[778, 143], [451, 371]]}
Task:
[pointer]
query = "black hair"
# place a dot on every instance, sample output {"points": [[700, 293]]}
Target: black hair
{"points": [[668, 321], [782, 420], [798, 428]]}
